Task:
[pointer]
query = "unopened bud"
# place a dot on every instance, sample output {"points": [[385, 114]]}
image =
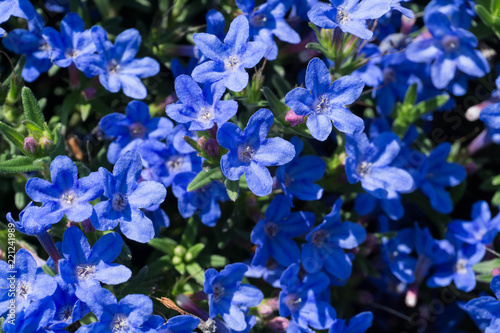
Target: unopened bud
{"points": [[30, 144], [407, 24], [278, 324], [45, 143], [89, 93], [201, 142], [212, 147], [495, 271], [293, 118]]}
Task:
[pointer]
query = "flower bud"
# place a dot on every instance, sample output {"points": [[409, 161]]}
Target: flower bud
{"points": [[278, 324], [89, 93], [495, 271], [201, 142], [212, 147], [30, 144], [293, 118], [45, 143]]}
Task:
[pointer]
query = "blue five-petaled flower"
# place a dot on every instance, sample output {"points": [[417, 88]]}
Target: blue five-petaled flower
{"points": [[324, 102], [250, 152]]}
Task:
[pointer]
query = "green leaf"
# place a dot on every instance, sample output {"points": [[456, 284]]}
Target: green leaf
{"points": [[232, 187], [277, 107], [484, 14], [429, 105], [32, 126], [47, 270], [198, 273], [486, 267], [190, 231], [194, 251], [20, 164], [216, 260], [181, 268], [204, 178], [138, 284], [163, 244], [411, 96], [32, 110], [192, 142], [13, 136]]}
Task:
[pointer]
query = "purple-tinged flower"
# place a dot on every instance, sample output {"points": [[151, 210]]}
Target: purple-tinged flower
{"points": [[126, 197], [66, 194], [273, 235], [83, 267], [297, 177], [357, 324], [448, 49], [126, 316], [325, 244], [205, 200], [228, 297], [31, 284], [303, 299], [349, 15], [132, 129], [67, 46], [440, 174], [202, 108], [268, 20], [371, 163], [250, 152], [324, 102], [228, 59], [116, 64], [481, 230]]}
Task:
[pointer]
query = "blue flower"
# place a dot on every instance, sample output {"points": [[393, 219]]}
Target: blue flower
{"points": [[358, 324], [228, 59], [226, 295], [32, 44], [297, 177], [66, 194], [84, 267], [58, 6], [325, 244], [31, 284], [459, 269], [348, 15], [69, 308], [201, 108], [303, 299], [449, 49], [267, 21], [132, 129], [370, 163], [177, 324], [34, 220], [490, 115], [481, 230], [67, 46], [485, 310], [116, 64], [325, 102], [396, 5], [205, 200], [273, 235], [250, 152], [125, 316], [18, 8], [397, 254], [34, 319], [440, 174], [126, 198], [460, 12], [365, 203]]}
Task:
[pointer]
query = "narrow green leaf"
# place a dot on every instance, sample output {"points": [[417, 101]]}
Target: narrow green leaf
{"points": [[190, 231], [198, 273], [181, 268], [429, 105], [484, 14], [204, 178], [411, 96], [13, 136], [32, 110], [217, 261], [20, 164], [193, 252], [163, 244], [277, 107], [486, 267], [32, 126], [232, 187]]}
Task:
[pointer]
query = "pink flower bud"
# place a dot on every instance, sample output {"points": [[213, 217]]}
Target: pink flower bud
{"points": [[278, 324], [212, 147], [293, 118], [495, 271], [30, 145], [45, 143], [407, 24]]}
